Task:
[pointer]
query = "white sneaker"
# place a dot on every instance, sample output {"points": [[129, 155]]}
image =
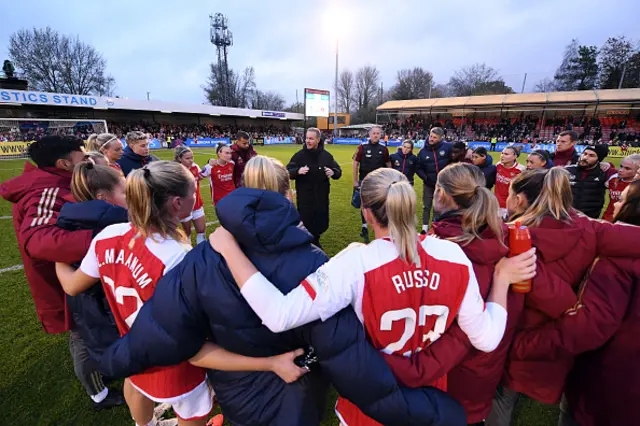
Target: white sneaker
{"points": [[168, 422], [161, 409]]}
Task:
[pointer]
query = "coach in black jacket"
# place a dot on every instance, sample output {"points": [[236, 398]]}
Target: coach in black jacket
{"points": [[311, 167], [588, 180]]}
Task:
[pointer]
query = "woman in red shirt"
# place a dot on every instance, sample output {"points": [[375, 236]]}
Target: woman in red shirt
{"points": [[220, 174], [184, 156], [109, 145], [506, 170]]}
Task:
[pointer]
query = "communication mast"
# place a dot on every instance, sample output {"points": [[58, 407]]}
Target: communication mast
{"points": [[222, 38]]}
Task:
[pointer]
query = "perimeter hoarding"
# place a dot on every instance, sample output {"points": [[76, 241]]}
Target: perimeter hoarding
{"points": [[316, 103]]}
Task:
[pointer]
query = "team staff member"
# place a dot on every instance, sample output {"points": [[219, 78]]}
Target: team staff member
{"points": [[433, 157], [38, 196], [242, 152], [588, 180], [566, 153], [405, 161], [311, 168], [618, 182], [484, 162], [369, 157], [136, 154]]}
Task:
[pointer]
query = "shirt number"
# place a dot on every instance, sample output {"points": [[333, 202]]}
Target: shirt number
{"points": [[410, 318], [120, 293]]}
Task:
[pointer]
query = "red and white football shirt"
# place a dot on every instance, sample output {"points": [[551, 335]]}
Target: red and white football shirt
{"points": [[504, 176], [129, 269], [220, 180], [195, 171], [616, 185]]}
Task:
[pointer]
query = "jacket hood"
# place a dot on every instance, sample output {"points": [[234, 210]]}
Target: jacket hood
{"points": [[484, 251], [32, 179], [554, 239], [487, 162], [94, 214], [239, 150], [128, 153], [261, 220]]}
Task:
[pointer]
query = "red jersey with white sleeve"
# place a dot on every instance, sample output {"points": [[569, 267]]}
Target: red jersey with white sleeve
{"points": [[504, 176], [220, 180], [130, 268], [195, 171], [403, 307], [615, 185]]}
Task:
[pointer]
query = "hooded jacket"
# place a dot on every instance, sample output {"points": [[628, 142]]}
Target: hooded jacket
{"points": [[604, 387], [472, 375], [405, 164], [204, 302], [489, 171], [240, 158], [90, 309], [432, 159], [37, 196], [132, 161], [567, 251], [312, 188]]}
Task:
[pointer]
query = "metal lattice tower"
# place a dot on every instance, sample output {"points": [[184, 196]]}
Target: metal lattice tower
{"points": [[222, 38]]}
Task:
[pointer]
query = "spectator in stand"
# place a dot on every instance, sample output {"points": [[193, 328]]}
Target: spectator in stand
{"points": [[369, 157], [109, 145], [312, 168], [484, 161], [566, 153], [619, 182], [136, 154], [588, 180], [242, 152], [433, 157], [507, 169], [405, 161], [38, 196], [539, 159]]}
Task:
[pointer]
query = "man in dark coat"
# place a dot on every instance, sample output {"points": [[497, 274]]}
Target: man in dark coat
{"points": [[588, 180], [311, 167], [242, 152]]}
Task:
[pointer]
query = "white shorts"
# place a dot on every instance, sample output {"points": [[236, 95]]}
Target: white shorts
{"points": [[192, 405], [196, 214]]}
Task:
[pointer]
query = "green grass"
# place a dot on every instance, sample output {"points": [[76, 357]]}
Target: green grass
{"points": [[37, 384]]}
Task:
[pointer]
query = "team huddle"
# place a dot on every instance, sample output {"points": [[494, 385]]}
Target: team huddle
{"points": [[410, 329]]}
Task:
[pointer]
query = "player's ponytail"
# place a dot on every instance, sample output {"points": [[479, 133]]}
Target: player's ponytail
{"points": [[392, 200], [149, 190], [548, 193], [89, 179], [267, 173], [477, 205]]}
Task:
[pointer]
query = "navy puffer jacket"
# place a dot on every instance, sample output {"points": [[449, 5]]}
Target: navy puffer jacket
{"points": [[199, 300], [131, 161], [432, 159], [90, 309]]}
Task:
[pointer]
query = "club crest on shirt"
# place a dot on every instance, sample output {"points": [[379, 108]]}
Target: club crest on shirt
{"points": [[442, 153], [397, 163]]}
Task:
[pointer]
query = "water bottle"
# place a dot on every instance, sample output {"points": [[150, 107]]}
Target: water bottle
{"points": [[519, 242]]}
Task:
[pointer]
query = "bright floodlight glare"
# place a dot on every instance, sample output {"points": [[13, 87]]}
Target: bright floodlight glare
{"points": [[336, 23]]}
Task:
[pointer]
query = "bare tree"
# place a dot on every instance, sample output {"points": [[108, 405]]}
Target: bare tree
{"points": [[271, 101], [52, 62], [614, 56], [545, 85], [413, 84], [366, 86], [344, 91], [478, 79], [240, 88]]}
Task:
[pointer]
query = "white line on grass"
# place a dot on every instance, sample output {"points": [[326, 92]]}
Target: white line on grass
{"points": [[6, 217], [11, 268], [212, 223]]}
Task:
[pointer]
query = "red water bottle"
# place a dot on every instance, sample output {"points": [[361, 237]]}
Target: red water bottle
{"points": [[519, 242]]}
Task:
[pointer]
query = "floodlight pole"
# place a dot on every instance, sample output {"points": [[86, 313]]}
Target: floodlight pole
{"points": [[335, 100]]}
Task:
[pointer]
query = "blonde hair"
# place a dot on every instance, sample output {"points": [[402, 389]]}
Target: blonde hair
{"points": [[548, 193], [392, 200], [149, 190], [635, 159], [466, 184], [266, 173], [96, 157], [135, 136], [88, 179], [180, 151], [100, 142]]}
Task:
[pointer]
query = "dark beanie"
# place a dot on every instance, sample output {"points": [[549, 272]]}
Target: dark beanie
{"points": [[601, 150]]}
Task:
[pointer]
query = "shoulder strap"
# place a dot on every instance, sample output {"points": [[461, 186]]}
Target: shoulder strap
{"points": [[583, 285]]}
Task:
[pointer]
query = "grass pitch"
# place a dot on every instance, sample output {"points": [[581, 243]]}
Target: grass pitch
{"points": [[37, 383]]}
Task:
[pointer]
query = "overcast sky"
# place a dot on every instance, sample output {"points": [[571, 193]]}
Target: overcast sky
{"points": [[163, 46]]}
